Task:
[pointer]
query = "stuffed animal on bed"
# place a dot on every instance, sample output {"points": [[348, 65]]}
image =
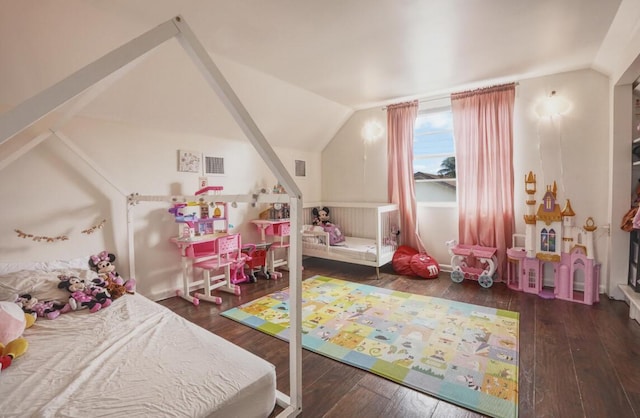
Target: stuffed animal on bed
{"points": [[320, 216], [92, 295], [49, 309], [103, 264], [13, 322]]}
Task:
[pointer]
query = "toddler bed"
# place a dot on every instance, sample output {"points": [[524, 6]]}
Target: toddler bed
{"points": [[370, 233], [133, 358]]}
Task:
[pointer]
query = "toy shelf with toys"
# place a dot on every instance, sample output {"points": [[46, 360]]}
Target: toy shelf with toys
{"points": [[200, 220]]}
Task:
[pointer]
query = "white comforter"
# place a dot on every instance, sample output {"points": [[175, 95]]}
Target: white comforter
{"points": [[134, 358]]}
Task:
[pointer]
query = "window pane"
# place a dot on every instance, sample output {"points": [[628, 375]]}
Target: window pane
{"points": [[434, 164], [434, 121], [434, 167], [436, 191], [437, 142]]}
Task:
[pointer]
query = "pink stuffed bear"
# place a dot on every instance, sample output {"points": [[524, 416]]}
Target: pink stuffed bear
{"points": [[103, 264]]}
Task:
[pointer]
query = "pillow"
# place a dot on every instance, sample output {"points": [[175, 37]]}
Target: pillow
{"points": [[40, 284], [74, 263], [8, 293], [335, 235]]}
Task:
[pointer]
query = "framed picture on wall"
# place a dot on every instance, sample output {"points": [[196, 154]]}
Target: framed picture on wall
{"points": [[189, 161]]}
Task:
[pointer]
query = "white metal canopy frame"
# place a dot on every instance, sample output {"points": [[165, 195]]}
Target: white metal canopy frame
{"points": [[95, 78]]}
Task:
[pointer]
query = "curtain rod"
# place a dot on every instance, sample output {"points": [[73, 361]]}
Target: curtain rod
{"points": [[447, 96]]}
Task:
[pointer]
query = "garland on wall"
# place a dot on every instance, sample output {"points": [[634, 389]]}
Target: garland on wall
{"points": [[44, 238], [39, 238], [94, 227]]}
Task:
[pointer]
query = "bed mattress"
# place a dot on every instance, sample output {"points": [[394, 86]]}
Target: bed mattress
{"points": [[353, 247], [134, 358]]}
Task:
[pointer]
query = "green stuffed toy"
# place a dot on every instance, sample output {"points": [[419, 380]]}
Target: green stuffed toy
{"points": [[13, 322]]}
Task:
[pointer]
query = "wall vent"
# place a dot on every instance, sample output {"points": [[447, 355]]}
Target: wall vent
{"points": [[301, 168], [213, 165]]}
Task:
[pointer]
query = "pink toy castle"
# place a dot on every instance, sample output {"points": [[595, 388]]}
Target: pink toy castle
{"points": [[553, 242]]}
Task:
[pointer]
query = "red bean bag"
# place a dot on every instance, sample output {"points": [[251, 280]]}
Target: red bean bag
{"points": [[401, 261], [408, 261], [424, 266]]}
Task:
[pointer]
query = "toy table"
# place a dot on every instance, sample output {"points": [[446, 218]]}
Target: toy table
{"points": [[279, 231], [194, 250], [473, 262]]}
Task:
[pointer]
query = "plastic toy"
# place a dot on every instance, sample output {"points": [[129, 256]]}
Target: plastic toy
{"points": [[473, 262], [257, 261], [238, 274], [552, 239]]}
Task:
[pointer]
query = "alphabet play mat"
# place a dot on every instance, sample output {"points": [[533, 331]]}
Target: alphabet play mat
{"points": [[461, 353]]}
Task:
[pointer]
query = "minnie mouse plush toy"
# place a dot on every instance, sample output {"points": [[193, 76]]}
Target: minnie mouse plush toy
{"points": [[103, 264]]}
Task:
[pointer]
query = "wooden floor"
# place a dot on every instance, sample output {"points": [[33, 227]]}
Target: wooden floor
{"points": [[575, 360]]}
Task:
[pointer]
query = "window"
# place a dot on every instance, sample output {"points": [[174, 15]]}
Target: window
{"points": [[434, 160]]}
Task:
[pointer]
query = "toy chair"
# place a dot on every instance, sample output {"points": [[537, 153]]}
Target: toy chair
{"points": [[227, 253]]}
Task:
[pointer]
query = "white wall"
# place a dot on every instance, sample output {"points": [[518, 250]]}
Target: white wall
{"points": [[573, 151], [53, 192], [355, 170]]}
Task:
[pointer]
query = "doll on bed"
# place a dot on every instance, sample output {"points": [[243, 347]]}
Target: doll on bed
{"points": [[103, 264], [49, 309], [321, 218], [84, 294]]}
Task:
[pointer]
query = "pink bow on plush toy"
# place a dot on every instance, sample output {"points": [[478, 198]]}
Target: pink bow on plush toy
{"points": [[103, 256]]}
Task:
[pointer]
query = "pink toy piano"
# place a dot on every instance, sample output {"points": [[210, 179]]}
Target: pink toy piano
{"points": [[473, 262]]}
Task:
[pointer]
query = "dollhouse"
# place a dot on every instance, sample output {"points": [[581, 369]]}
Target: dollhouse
{"points": [[556, 252]]}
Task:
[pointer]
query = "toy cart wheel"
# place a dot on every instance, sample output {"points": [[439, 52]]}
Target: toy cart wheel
{"points": [[457, 276], [252, 278], [485, 281]]}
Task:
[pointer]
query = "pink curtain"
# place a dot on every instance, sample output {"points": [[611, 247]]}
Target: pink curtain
{"points": [[401, 119], [483, 132]]}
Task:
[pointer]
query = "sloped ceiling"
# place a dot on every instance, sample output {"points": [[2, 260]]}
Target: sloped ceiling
{"points": [[301, 67]]}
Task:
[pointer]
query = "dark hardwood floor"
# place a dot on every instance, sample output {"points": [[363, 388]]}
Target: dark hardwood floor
{"points": [[575, 360]]}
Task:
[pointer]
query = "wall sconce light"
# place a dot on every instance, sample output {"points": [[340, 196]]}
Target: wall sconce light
{"points": [[371, 131], [554, 105]]}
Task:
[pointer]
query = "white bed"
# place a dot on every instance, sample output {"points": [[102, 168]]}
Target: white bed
{"points": [[369, 230], [134, 358]]}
